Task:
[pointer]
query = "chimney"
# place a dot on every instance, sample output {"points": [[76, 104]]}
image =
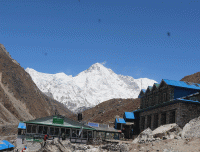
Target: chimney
{"points": [[79, 116]]}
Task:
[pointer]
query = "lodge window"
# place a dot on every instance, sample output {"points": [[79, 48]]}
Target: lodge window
{"points": [[163, 118], [150, 102], [146, 103], [45, 130], [171, 96], [66, 132], [149, 121], [40, 129], [84, 133], [141, 103], [29, 128], [164, 97], [34, 128], [89, 134], [142, 122], [77, 133], [155, 122], [51, 130], [172, 117], [156, 99], [56, 131], [62, 131], [74, 133]]}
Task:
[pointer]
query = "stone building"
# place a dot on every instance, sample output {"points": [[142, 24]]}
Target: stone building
{"points": [[169, 102]]}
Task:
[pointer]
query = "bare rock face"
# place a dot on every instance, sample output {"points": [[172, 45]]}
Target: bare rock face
{"points": [[7, 53], [169, 131], [195, 78], [20, 99], [192, 129]]}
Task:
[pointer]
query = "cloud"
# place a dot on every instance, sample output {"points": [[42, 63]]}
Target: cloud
{"points": [[104, 62]]}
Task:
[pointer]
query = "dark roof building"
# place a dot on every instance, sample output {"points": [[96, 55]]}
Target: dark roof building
{"points": [[169, 102], [55, 126], [58, 125]]}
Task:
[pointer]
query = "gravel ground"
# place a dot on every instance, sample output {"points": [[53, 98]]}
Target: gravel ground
{"points": [[169, 145]]}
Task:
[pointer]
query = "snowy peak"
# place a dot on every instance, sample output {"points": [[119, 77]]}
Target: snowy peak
{"points": [[97, 68], [90, 87]]}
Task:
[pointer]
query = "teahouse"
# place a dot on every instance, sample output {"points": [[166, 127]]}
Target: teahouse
{"points": [[57, 125]]}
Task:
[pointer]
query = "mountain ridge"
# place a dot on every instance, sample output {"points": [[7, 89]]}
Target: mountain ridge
{"points": [[90, 87], [195, 78]]}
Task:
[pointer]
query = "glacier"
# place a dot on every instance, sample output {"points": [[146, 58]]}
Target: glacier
{"points": [[90, 87]]}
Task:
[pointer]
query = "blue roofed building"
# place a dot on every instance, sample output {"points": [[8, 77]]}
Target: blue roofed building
{"points": [[6, 146], [21, 128], [119, 122], [129, 124], [169, 102], [129, 116]]}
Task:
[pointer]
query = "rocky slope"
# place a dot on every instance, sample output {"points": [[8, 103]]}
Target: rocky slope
{"points": [[192, 78], [90, 87], [105, 112], [20, 99]]}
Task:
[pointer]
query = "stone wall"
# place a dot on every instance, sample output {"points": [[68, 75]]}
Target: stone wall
{"points": [[161, 111], [179, 113], [188, 111]]}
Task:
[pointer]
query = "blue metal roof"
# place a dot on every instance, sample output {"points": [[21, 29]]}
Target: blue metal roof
{"points": [[4, 144], [129, 115], [185, 100], [92, 124], [182, 84], [22, 125], [120, 120]]}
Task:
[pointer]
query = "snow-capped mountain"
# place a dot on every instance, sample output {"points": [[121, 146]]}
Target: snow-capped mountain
{"points": [[90, 87]]}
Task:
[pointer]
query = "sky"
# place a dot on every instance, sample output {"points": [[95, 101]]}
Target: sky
{"points": [[157, 39]]}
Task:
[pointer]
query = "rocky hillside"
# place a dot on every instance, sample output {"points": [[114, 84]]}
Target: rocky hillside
{"points": [[20, 99], [192, 78], [105, 112]]}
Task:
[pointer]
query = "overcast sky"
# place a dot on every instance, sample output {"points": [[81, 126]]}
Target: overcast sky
{"points": [[139, 38]]}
